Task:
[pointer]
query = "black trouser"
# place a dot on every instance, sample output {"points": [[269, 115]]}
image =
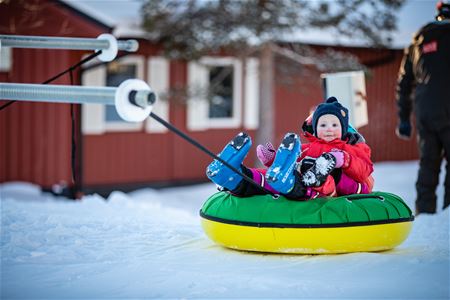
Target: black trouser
{"points": [[246, 189], [434, 145]]}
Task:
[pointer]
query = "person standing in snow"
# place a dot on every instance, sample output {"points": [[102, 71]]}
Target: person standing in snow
{"points": [[425, 72], [333, 163]]}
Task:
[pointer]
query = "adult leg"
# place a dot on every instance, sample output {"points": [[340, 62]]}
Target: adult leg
{"points": [[445, 138], [430, 151]]}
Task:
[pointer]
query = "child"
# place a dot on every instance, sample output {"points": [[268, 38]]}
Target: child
{"points": [[327, 166]]}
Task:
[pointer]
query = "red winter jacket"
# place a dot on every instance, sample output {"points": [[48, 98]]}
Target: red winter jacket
{"points": [[359, 166]]}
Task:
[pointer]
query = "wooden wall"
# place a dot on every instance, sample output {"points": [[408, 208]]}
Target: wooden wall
{"points": [[35, 138]]}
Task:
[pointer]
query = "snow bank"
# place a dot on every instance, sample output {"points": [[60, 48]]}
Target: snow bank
{"points": [[149, 244]]}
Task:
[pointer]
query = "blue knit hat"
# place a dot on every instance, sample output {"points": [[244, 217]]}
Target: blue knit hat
{"points": [[333, 107]]}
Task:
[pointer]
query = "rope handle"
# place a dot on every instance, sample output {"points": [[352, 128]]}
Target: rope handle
{"points": [[363, 196], [208, 152]]}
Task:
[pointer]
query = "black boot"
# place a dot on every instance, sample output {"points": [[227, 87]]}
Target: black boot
{"points": [[246, 189], [299, 190]]}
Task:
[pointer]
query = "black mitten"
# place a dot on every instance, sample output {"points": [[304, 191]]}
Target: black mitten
{"points": [[404, 130], [306, 164], [317, 175]]}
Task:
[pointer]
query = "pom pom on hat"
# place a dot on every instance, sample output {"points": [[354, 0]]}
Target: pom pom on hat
{"points": [[333, 107]]}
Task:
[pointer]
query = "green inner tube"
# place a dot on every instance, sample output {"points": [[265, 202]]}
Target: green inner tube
{"points": [[266, 211]]}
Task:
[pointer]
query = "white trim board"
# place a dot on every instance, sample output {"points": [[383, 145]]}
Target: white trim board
{"points": [[159, 81]]}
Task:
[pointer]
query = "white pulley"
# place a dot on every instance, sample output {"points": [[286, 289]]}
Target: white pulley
{"points": [[125, 108], [110, 53]]}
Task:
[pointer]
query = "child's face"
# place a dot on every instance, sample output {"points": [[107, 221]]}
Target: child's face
{"points": [[329, 128]]}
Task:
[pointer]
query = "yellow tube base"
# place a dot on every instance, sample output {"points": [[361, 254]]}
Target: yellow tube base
{"points": [[327, 240]]}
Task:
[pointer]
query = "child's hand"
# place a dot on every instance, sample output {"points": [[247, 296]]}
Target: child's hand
{"points": [[266, 154], [342, 158]]}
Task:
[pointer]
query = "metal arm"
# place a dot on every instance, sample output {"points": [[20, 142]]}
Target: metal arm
{"points": [[105, 42], [133, 98]]}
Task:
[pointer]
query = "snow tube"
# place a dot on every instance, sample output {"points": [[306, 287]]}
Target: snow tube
{"points": [[354, 223]]}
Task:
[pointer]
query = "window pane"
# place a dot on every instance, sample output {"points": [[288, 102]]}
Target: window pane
{"points": [[115, 75], [221, 92]]}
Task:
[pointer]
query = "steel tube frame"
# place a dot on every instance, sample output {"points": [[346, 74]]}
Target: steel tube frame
{"points": [[133, 98], [57, 93], [70, 94], [44, 42]]}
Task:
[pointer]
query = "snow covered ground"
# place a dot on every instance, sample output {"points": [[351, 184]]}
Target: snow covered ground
{"points": [[149, 244]]}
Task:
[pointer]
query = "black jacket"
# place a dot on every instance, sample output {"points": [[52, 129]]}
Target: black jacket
{"points": [[426, 69]]}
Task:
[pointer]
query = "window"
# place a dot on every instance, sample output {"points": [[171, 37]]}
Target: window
{"points": [[220, 94], [116, 73], [216, 90], [215, 86], [98, 118]]}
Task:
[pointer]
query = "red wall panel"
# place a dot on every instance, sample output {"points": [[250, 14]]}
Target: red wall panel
{"points": [[118, 158], [292, 104], [382, 109], [35, 138]]}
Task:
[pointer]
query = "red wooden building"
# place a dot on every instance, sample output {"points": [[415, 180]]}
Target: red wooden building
{"points": [[35, 138]]}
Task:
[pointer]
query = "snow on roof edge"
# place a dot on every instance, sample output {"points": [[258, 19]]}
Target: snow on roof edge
{"points": [[120, 28], [339, 43], [129, 29], [87, 10]]}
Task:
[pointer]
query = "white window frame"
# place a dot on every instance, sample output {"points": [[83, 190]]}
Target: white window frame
{"points": [[252, 91], [93, 115], [158, 75], [5, 58], [198, 106], [138, 61]]}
